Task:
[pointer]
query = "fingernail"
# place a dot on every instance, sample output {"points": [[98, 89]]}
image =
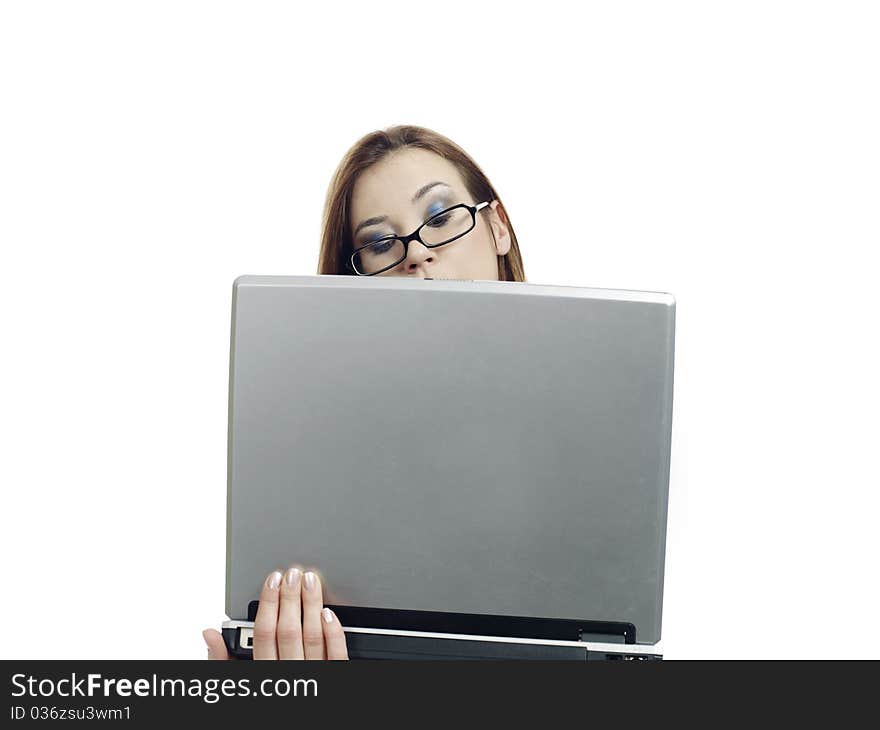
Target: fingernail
{"points": [[310, 580], [328, 615], [292, 577], [274, 580]]}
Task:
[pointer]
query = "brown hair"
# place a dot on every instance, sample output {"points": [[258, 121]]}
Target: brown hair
{"points": [[336, 243]]}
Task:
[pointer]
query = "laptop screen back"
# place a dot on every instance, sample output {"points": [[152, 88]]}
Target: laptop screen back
{"points": [[471, 447]]}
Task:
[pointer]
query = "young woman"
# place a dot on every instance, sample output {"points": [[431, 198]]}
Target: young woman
{"points": [[405, 201]]}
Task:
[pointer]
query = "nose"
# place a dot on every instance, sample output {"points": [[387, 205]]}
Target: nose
{"points": [[417, 255]]}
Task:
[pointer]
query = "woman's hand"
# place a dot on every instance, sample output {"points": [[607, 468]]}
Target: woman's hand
{"points": [[291, 622]]}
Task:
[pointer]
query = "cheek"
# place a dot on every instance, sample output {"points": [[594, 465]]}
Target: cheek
{"points": [[482, 241], [476, 246]]}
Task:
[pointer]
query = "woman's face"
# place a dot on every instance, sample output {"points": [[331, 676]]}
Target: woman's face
{"points": [[401, 191]]}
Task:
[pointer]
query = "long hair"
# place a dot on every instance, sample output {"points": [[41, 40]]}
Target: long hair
{"points": [[336, 242]]}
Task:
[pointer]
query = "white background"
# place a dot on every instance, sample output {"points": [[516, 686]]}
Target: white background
{"points": [[150, 152]]}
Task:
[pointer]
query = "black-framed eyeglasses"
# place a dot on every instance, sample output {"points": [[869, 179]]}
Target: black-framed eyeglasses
{"points": [[442, 228]]}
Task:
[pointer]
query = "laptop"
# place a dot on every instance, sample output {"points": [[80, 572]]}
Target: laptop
{"points": [[479, 469]]}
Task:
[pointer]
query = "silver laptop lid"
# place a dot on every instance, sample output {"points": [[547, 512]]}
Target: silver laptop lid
{"points": [[458, 446]]}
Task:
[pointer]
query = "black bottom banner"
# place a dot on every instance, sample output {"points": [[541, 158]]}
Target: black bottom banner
{"points": [[144, 693]]}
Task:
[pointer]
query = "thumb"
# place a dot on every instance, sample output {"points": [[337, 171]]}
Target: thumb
{"points": [[216, 645]]}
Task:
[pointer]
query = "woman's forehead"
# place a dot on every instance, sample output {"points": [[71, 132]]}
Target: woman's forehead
{"points": [[390, 184]]}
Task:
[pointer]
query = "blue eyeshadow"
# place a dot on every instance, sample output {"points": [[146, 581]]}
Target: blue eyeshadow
{"points": [[435, 208]]}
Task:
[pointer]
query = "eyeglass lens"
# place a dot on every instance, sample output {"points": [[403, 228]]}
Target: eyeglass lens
{"points": [[440, 229]]}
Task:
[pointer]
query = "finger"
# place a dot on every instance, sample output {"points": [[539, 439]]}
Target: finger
{"points": [[290, 639], [334, 636], [267, 619], [216, 645], [312, 602]]}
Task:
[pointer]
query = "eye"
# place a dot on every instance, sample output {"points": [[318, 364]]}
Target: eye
{"points": [[438, 221], [371, 240], [381, 246]]}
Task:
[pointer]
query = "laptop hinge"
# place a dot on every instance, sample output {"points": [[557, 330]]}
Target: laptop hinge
{"points": [[377, 643], [590, 636]]}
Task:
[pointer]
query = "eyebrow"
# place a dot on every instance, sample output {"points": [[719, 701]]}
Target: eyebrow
{"points": [[425, 188], [420, 193]]}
